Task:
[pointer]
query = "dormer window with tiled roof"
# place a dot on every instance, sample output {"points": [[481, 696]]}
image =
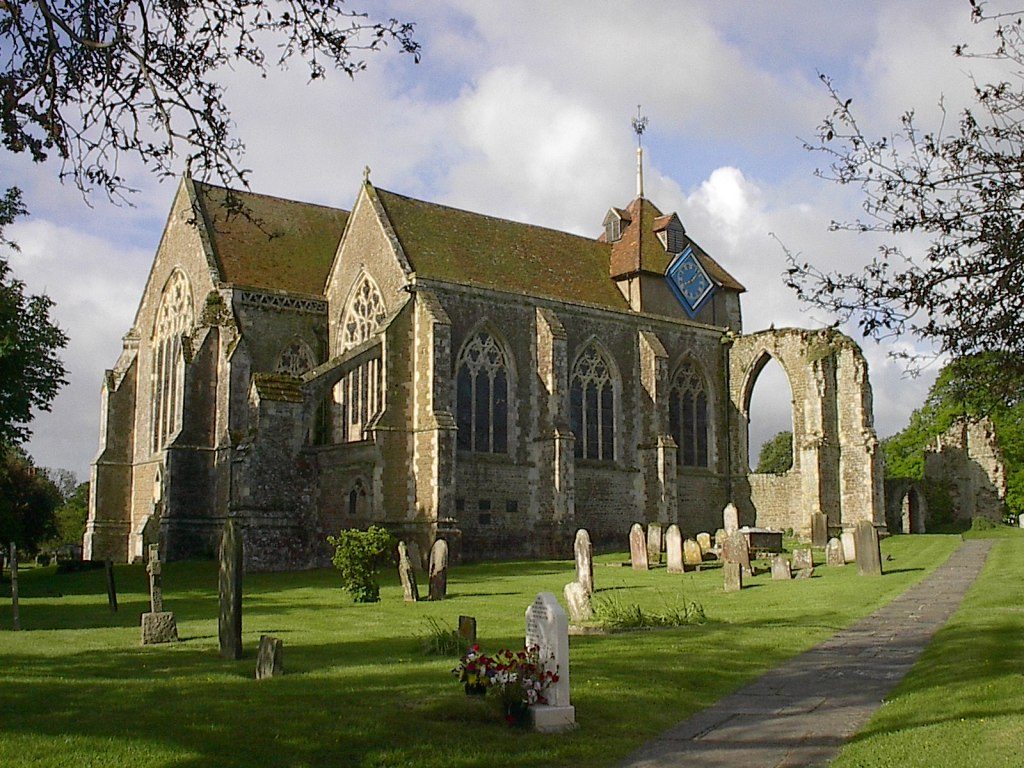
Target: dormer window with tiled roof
{"points": [[671, 233], [613, 225]]}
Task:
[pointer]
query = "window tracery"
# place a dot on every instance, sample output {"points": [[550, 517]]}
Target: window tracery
{"points": [[482, 395], [688, 416], [173, 320], [592, 405], [360, 393], [295, 359]]}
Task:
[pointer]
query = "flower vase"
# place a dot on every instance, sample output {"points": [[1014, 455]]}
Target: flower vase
{"points": [[476, 689], [517, 714]]}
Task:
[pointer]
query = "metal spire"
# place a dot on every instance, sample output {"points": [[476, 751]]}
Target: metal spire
{"points": [[639, 126]]}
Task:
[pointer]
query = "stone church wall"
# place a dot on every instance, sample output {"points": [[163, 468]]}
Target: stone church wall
{"points": [[967, 461]]}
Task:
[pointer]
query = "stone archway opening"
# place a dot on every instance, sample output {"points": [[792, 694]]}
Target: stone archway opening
{"points": [[770, 419], [912, 512]]}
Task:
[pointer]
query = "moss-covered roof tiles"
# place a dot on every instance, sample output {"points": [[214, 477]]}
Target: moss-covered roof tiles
{"points": [[470, 248], [268, 242]]}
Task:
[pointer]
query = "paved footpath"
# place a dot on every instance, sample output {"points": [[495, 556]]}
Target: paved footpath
{"points": [[801, 713]]}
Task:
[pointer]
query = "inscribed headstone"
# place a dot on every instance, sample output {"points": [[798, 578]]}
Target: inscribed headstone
{"points": [[637, 548], [674, 549], [159, 628], [781, 569], [691, 554], [733, 577], [834, 553], [869, 556], [802, 558], [269, 657], [704, 539], [407, 575], [111, 586], [730, 518], [156, 584], [547, 629], [849, 546], [819, 529], [578, 602], [584, 552], [229, 623], [654, 543], [467, 629], [735, 550], [439, 570]]}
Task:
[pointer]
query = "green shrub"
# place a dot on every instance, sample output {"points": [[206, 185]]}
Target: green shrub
{"points": [[982, 524], [360, 555], [441, 640]]}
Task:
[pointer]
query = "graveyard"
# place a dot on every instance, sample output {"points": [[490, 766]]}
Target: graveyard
{"points": [[77, 688]]}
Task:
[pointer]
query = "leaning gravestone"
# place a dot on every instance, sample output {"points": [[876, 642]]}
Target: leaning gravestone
{"points": [[692, 557], [819, 530], [733, 577], [730, 518], [547, 630], [637, 548], [704, 539], [578, 602], [467, 629], [229, 623], [654, 543], [269, 657], [407, 575], [802, 559], [158, 625], [805, 573], [781, 570], [735, 550], [834, 553], [415, 557], [108, 566], [849, 546], [439, 570], [674, 549], [584, 553], [869, 556]]}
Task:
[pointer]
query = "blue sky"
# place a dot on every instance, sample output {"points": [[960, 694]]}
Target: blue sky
{"points": [[522, 110]]}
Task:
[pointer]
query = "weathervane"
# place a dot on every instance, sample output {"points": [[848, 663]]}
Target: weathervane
{"points": [[639, 126]]}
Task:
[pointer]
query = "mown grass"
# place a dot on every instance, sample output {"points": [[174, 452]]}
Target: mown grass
{"points": [[76, 689], [963, 702]]}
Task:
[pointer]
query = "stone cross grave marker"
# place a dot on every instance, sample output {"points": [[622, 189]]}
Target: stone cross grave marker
{"points": [[467, 629], [547, 629], [735, 550], [158, 625], [819, 529], [692, 556], [654, 543], [704, 539], [637, 548], [108, 566], [869, 556], [849, 546], [730, 518], [781, 570], [674, 549], [229, 623], [269, 657], [802, 559], [15, 618], [834, 553], [407, 575], [439, 570], [733, 577], [578, 601], [584, 552], [156, 583]]}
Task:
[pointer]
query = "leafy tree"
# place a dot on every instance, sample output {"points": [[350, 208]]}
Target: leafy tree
{"points": [[961, 186], [71, 515], [360, 555], [776, 457], [27, 501]]}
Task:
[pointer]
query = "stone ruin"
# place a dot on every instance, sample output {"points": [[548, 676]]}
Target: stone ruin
{"points": [[966, 460]]}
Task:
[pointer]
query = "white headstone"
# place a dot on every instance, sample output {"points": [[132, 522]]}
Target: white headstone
{"points": [[849, 546], [730, 518], [547, 629], [674, 549]]}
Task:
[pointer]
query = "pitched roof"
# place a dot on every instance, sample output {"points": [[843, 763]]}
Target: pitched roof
{"points": [[268, 242], [470, 248]]}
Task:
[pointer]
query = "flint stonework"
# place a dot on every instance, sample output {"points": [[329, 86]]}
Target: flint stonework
{"points": [[229, 624], [834, 553], [584, 552], [869, 556], [407, 575], [638, 548], [674, 549], [439, 570]]}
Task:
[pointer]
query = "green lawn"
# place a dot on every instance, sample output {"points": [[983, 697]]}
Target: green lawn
{"points": [[963, 703], [77, 689]]}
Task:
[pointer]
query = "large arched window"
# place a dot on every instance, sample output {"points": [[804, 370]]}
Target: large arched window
{"points": [[592, 405], [688, 416], [360, 392], [173, 319], [296, 359], [481, 395]]}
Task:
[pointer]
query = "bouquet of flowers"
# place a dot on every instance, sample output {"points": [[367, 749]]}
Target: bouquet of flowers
{"points": [[517, 677]]}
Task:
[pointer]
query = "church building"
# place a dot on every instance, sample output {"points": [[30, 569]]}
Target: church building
{"points": [[450, 374]]}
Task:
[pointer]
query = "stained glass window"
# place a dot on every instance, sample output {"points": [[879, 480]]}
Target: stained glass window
{"points": [[481, 396]]}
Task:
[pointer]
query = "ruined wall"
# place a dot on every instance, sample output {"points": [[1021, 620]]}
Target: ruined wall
{"points": [[967, 461]]}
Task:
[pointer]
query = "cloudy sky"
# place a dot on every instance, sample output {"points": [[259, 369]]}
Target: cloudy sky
{"points": [[522, 110]]}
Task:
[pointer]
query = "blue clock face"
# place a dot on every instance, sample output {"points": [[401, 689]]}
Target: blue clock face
{"points": [[689, 281]]}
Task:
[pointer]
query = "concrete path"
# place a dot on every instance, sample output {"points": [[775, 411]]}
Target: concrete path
{"points": [[801, 713]]}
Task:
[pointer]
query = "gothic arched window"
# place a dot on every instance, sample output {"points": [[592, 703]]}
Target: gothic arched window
{"points": [[592, 405], [688, 416], [481, 395], [173, 320], [295, 359], [360, 392]]}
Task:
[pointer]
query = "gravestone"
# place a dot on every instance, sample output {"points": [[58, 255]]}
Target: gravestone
{"points": [[229, 621], [584, 552], [781, 570], [802, 559], [805, 573], [467, 629], [547, 629], [735, 550], [15, 618], [692, 557], [407, 575], [637, 548], [849, 546], [269, 657], [720, 535], [733, 577], [730, 518], [834, 553], [674, 549], [1020, 521], [156, 583], [869, 556], [704, 539], [108, 565], [415, 556], [439, 570], [159, 627], [654, 543], [819, 530], [578, 602]]}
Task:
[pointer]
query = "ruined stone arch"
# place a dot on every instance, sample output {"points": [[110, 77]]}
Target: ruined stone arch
{"points": [[595, 402], [486, 405], [691, 409], [906, 507], [760, 362], [174, 320]]}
